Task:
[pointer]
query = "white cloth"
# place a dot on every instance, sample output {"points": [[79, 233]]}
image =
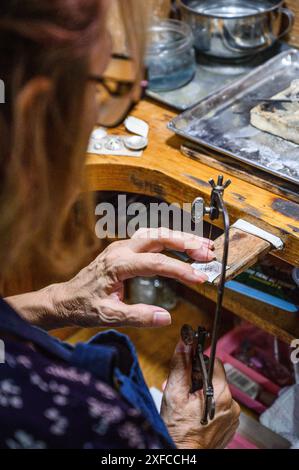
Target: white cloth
{"points": [[283, 416]]}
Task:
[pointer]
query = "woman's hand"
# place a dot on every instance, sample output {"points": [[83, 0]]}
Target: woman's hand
{"points": [[95, 296], [182, 411]]}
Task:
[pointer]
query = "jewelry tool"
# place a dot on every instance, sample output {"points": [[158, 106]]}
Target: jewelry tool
{"points": [[202, 365]]}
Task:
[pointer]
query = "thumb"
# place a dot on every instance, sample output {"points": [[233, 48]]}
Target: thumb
{"points": [[138, 315], [219, 378], [181, 368]]}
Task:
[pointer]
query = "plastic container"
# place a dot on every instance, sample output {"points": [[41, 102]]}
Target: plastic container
{"points": [[170, 55], [227, 345]]}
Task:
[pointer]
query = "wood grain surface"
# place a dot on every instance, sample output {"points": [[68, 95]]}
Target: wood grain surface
{"points": [[244, 251], [165, 173], [294, 35]]}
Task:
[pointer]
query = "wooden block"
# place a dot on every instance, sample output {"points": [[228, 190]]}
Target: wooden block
{"points": [[244, 251]]}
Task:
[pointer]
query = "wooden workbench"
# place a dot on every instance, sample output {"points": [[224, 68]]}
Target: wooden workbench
{"points": [[165, 173]]}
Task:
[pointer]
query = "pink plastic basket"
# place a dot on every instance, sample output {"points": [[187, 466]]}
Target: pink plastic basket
{"points": [[226, 346]]}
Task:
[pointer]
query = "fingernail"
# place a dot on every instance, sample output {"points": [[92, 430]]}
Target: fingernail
{"points": [[211, 256], [162, 318]]}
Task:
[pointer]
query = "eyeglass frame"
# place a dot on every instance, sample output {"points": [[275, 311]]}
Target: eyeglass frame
{"points": [[127, 84]]}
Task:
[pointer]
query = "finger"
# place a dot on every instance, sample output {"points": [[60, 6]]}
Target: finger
{"points": [[120, 293], [219, 378], [180, 370], [203, 253], [153, 264], [157, 240], [116, 313], [161, 238]]}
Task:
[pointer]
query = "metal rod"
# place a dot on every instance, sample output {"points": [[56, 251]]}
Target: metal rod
{"points": [[221, 287]]}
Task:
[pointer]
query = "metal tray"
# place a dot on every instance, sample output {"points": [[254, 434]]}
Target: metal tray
{"points": [[222, 120]]}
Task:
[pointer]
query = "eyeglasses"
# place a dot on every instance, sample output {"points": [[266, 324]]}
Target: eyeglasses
{"points": [[118, 96]]}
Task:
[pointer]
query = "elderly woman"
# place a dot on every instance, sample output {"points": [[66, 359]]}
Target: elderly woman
{"points": [[53, 57]]}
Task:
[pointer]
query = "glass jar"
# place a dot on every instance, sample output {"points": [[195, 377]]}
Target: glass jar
{"points": [[170, 55], [152, 291]]}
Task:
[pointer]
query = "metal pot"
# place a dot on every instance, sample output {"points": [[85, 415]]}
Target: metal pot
{"points": [[235, 29]]}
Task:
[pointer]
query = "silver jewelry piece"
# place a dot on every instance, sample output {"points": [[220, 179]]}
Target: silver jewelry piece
{"points": [[114, 143], [136, 142]]}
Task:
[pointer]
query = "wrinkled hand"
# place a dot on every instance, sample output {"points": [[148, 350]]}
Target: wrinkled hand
{"points": [[182, 411], [95, 296]]}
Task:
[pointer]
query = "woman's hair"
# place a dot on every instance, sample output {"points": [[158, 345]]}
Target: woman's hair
{"points": [[42, 146]]}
